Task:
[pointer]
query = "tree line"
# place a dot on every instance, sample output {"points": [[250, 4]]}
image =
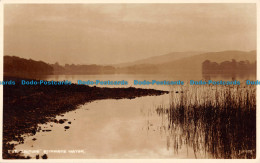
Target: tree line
{"points": [[228, 67]]}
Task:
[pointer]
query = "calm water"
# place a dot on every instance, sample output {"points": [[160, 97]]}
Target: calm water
{"points": [[126, 128], [110, 129], [148, 77]]}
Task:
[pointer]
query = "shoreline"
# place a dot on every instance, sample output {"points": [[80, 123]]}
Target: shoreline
{"points": [[24, 107]]}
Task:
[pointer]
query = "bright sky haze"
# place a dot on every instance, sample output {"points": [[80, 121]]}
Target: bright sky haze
{"points": [[116, 33]]}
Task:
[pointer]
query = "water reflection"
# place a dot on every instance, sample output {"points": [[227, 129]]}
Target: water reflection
{"points": [[241, 76], [108, 129]]}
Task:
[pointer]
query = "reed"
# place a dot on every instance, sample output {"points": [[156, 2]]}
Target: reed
{"points": [[215, 121]]}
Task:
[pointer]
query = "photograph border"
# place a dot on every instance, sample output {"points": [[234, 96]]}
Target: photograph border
{"points": [[3, 2]]}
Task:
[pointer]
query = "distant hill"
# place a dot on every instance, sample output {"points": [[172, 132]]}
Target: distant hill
{"points": [[20, 67], [191, 64], [82, 69], [173, 63], [159, 59]]}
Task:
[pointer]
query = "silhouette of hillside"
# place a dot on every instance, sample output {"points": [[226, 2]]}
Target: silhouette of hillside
{"points": [[159, 59], [20, 67], [192, 64], [82, 69], [184, 63]]}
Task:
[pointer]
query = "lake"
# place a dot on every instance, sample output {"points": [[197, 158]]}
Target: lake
{"points": [[125, 128]]}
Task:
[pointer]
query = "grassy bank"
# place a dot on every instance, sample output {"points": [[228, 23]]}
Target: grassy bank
{"points": [[216, 120], [27, 106]]}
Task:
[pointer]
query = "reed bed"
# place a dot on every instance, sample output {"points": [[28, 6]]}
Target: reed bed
{"points": [[215, 121]]}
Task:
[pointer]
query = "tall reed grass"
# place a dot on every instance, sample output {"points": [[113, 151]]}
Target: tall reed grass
{"points": [[215, 121]]}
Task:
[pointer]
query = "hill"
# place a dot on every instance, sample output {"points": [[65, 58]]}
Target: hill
{"points": [[20, 67], [159, 59], [191, 64]]}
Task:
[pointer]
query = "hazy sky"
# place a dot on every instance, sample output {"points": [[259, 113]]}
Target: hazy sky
{"points": [[115, 33]]}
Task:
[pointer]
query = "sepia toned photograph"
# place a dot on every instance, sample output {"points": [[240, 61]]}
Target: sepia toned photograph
{"points": [[129, 81]]}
